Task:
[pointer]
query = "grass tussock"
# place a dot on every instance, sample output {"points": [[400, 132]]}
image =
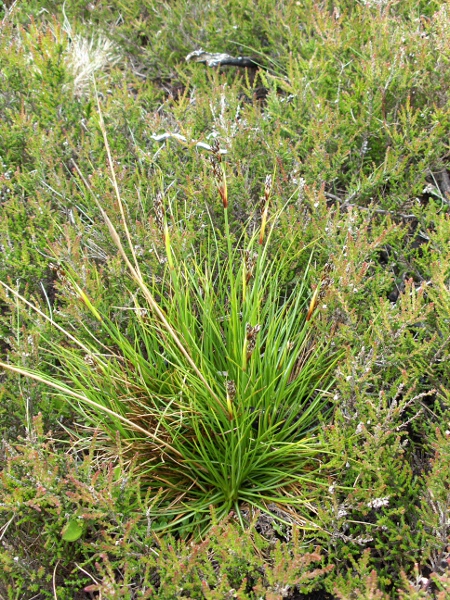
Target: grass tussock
{"points": [[224, 319], [218, 411]]}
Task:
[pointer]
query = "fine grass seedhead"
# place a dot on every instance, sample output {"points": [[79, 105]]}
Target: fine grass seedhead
{"points": [[221, 386]]}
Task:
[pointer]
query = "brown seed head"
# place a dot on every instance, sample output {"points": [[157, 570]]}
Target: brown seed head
{"points": [[231, 389], [216, 168], [215, 149], [159, 210], [268, 187], [251, 333], [250, 262]]}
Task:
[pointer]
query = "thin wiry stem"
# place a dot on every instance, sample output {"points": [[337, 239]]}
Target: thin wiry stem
{"points": [[50, 319], [116, 188]]}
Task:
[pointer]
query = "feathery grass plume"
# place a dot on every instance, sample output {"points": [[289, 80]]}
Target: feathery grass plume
{"points": [[216, 412], [88, 57]]}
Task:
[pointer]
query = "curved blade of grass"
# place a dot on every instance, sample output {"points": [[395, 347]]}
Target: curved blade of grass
{"points": [[82, 398]]}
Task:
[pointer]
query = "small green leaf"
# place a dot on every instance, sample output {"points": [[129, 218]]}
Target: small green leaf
{"points": [[72, 531]]}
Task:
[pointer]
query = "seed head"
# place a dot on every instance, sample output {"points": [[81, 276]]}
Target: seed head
{"points": [[219, 174], [264, 206], [320, 290], [231, 394], [326, 280], [250, 262], [251, 333], [215, 159], [268, 187], [231, 389], [215, 167], [215, 149], [159, 210]]}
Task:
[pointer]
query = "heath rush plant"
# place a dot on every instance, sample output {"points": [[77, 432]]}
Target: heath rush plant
{"points": [[221, 388]]}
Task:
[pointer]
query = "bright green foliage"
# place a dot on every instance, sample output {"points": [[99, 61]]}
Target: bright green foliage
{"points": [[40, 504], [350, 114], [219, 390]]}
